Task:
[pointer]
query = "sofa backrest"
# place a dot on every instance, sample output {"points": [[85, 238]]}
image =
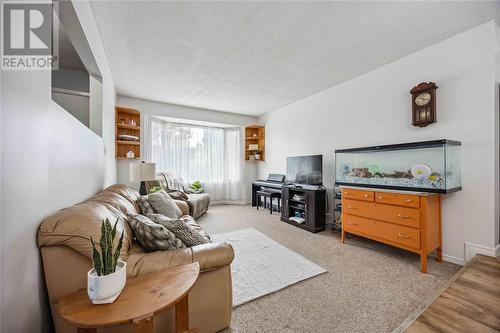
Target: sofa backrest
{"points": [[74, 225]]}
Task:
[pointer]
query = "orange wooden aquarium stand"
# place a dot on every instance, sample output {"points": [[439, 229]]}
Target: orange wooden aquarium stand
{"points": [[409, 221]]}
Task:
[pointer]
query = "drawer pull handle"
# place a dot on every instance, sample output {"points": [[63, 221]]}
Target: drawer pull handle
{"points": [[346, 193], [409, 200], [381, 197], [403, 235], [403, 216], [349, 207], [366, 195], [349, 222]]}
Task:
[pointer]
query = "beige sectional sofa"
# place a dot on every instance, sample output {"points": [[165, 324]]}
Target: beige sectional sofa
{"points": [[63, 239]]}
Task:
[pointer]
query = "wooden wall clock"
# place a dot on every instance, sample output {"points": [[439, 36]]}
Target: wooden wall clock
{"points": [[423, 100]]}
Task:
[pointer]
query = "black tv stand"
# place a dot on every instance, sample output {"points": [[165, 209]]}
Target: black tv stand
{"points": [[307, 201]]}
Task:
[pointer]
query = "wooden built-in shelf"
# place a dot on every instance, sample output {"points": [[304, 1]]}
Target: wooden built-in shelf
{"points": [[123, 117], [125, 142], [131, 111], [255, 134], [130, 127]]}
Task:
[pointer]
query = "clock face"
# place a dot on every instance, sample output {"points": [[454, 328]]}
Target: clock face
{"points": [[422, 99]]}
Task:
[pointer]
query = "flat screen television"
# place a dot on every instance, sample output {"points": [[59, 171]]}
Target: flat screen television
{"points": [[305, 169]]}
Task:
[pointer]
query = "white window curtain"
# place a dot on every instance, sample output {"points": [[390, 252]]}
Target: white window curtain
{"points": [[211, 155]]}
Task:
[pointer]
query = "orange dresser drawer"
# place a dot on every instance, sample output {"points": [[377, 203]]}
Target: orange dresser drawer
{"points": [[349, 193], [404, 200], [395, 233], [400, 215]]}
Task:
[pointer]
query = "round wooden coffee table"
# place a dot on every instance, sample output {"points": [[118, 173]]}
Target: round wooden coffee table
{"points": [[141, 299]]}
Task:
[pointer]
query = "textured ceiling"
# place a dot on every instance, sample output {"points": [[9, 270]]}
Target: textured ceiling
{"points": [[254, 57]]}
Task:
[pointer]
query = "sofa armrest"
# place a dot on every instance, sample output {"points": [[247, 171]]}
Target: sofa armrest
{"points": [[213, 255], [210, 256], [183, 206]]}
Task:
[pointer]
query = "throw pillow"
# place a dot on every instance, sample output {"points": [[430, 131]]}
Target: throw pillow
{"points": [[191, 223], [152, 236], [163, 204], [145, 205], [189, 236]]}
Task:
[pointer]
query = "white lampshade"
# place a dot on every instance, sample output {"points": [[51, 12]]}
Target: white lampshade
{"points": [[142, 171]]}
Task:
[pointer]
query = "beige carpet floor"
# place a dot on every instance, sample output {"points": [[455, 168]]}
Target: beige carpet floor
{"points": [[369, 287]]}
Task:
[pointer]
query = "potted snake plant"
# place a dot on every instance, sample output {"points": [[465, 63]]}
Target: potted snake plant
{"points": [[106, 280]]}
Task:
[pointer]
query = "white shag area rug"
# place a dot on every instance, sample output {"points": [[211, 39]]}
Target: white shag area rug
{"points": [[262, 266]]}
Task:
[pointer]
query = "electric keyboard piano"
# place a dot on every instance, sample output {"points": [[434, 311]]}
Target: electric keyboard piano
{"points": [[274, 182]]}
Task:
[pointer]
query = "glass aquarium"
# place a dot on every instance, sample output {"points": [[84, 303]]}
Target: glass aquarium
{"points": [[429, 166]]}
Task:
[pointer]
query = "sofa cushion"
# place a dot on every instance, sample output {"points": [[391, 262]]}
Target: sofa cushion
{"points": [[126, 192], [153, 237], [189, 236], [163, 204], [74, 225], [183, 206], [115, 200]]}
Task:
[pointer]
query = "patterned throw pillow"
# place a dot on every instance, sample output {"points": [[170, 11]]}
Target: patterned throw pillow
{"points": [[189, 236], [163, 204], [152, 236], [190, 222], [145, 205]]}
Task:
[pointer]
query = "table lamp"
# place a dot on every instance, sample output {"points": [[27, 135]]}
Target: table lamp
{"points": [[142, 172]]}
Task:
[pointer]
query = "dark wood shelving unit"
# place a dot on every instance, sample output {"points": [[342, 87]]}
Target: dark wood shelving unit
{"points": [[313, 210]]}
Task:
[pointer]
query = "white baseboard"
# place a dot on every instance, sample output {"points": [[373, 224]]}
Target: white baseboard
{"points": [[472, 249], [453, 260]]}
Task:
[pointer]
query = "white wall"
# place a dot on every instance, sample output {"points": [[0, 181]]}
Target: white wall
{"points": [[190, 113], [375, 108], [49, 161], [77, 105], [497, 128]]}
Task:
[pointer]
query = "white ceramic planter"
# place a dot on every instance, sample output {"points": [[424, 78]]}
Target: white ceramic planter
{"points": [[106, 288]]}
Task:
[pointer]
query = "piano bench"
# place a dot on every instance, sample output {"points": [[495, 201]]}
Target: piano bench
{"points": [[269, 194]]}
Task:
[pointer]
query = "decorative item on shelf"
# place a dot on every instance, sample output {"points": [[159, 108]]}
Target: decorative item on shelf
{"points": [[424, 104], [253, 147], [106, 280], [257, 156], [142, 172], [132, 122], [123, 121], [254, 134], [297, 219], [130, 154], [251, 157], [127, 137]]}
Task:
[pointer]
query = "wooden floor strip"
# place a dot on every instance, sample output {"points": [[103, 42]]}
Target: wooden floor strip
{"points": [[471, 303]]}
